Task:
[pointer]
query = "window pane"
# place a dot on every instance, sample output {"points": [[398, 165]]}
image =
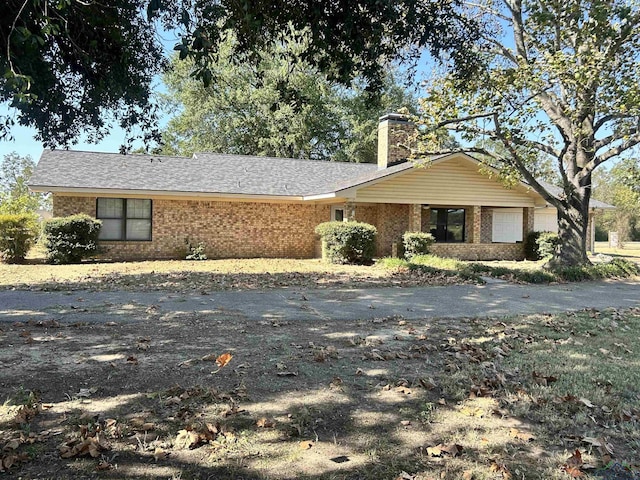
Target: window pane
{"points": [[338, 214], [109, 208], [138, 208], [111, 230], [455, 225], [138, 229]]}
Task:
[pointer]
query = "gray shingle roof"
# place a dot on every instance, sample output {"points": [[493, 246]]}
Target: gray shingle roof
{"points": [[204, 173], [210, 173]]}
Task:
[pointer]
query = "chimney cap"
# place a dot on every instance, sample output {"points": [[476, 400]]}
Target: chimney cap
{"points": [[395, 117]]}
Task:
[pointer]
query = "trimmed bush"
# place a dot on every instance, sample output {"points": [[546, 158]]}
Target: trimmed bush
{"points": [[70, 239], [547, 243], [17, 235], [539, 245], [416, 243], [531, 246], [347, 242]]}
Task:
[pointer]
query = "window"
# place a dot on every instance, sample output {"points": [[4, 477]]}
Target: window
{"points": [[447, 224], [337, 214], [124, 218]]}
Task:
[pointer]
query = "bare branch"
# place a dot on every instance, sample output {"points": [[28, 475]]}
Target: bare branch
{"points": [[630, 143]]}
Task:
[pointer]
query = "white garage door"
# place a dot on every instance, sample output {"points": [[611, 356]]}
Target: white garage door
{"points": [[507, 225], [545, 220]]}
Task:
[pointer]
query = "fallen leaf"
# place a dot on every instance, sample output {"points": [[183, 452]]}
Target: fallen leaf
{"points": [[160, 454], [104, 465], [501, 469], [306, 444], [573, 464], [440, 449], [586, 402], [223, 359], [520, 435], [265, 422]]}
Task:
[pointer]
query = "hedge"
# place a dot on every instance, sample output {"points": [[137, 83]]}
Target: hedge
{"points": [[17, 235], [70, 239], [416, 243], [347, 242], [539, 245]]}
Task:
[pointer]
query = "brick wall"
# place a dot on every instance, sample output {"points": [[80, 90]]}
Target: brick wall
{"points": [[479, 251], [393, 221], [486, 234], [229, 229]]}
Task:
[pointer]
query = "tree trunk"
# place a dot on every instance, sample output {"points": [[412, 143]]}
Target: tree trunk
{"points": [[573, 221]]}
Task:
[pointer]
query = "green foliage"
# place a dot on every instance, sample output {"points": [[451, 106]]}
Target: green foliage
{"points": [[196, 252], [70, 239], [540, 245], [616, 186], [393, 263], [71, 68], [531, 246], [15, 196], [347, 242], [547, 243], [416, 243], [280, 106], [544, 63], [17, 235], [434, 265]]}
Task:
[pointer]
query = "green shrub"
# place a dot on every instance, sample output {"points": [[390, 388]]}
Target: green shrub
{"points": [[70, 239], [347, 242], [547, 243], [416, 243], [531, 246], [17, 235]]}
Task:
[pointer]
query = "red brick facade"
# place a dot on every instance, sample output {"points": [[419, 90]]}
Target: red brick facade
{"points": [[229, 229], [286, 230]]}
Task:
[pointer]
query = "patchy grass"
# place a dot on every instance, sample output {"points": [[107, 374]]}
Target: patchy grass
{"points": [[631, 250], [384, 398], [524, 272]]}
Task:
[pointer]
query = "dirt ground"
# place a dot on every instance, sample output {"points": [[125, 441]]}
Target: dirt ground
{"points": [[382, 398], [210, 275]]}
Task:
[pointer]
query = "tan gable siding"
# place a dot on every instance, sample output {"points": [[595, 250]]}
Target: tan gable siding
{"points": [[452, 182]]}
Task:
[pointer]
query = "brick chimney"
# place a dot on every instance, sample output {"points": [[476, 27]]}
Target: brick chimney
{"points": [[396, 136]]}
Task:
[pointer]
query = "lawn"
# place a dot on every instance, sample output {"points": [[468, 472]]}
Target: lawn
{"points": [[631, 250], [383, 398], [240, 274]]}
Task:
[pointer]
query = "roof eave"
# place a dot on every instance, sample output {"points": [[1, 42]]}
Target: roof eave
{"points": [[159, 193]]}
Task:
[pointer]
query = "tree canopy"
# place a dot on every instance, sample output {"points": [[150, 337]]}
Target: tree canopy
{"points": [[278, 106], [15, 197], [560, 80], [618, 187], [70, 67]]}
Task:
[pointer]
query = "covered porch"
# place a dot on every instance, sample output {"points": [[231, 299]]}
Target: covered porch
{"points": [[464, 232]]}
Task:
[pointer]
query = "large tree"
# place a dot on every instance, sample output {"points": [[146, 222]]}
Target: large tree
{"points": [[73, 67], [562, 80], [15, 196], [279, 105]]}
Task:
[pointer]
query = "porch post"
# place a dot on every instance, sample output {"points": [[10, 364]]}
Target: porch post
{"points": [[476, 215], [415, 217], [527, 221], [350, 211]]}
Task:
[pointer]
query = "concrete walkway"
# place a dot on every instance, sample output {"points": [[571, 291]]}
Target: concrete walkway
{"points": [[494, 299]]}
